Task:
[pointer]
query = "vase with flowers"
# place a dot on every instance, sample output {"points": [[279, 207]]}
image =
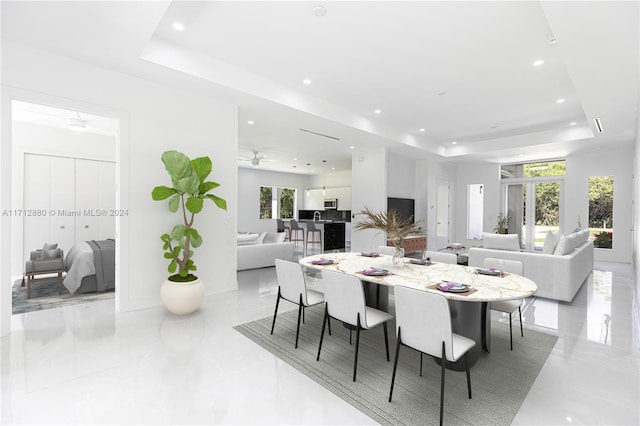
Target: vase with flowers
{"points": [[396, 227]]}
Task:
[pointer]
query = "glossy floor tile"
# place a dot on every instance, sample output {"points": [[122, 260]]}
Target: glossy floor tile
{"points": [[89, 365]]}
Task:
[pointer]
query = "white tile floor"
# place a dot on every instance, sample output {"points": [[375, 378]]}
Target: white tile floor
{"points": [[88, 365]]}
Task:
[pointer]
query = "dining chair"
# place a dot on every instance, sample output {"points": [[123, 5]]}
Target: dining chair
{"points": [[292, 287], [438, 256], [311, 229], [386, 250], [507, 306], [344, 301], [423, 323], [295, 229]]}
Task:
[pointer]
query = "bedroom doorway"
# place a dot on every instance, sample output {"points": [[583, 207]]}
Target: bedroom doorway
{"points": [[64, 163]]}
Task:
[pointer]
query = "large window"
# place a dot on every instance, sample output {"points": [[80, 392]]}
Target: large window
{"points": [[601, 211], [277, 203]]}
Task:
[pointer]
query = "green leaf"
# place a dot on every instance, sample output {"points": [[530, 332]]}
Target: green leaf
{"points": [[162, 193], [174, 204], [194, 204], [188, 184], [177, 164], [202, 167], [220, 202], [208, 186], [176, 251], [168, 255], [172, 266], [196, 239], [184, 272], [178, 232], [166, 238]]}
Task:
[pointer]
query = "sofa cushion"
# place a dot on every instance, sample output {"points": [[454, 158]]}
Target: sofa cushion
{"points": [[550, 242], [48, 246], [500, 241], [274, 237], [246, 239], [565, 245]]}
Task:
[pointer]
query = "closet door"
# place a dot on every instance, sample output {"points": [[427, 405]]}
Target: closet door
{"points": [[61, 188], [106, 199], [86, 199]]}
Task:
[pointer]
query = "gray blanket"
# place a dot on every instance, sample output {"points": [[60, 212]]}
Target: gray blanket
{"points": [[104, 255]]}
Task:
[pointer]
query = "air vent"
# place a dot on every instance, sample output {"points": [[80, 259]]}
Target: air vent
{"points": [[320, 134], [598, 124]]}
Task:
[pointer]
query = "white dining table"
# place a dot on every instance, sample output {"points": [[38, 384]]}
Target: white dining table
{"points": [[469, 310]]}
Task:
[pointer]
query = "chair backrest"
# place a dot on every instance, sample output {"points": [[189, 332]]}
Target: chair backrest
{"points": [[344, 296], [512, 266], [438, 256], [291, 281], [424, 321], [280, 224], [294, 224], [311, 226], [388, 250]]}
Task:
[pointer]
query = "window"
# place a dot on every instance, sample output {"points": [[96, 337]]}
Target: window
{"points": [[277, 203], [475, 207], [601, 211], [532, 170]]}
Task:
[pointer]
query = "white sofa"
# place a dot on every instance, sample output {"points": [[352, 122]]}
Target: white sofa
{"points": [[558, 273], [262, 250]]}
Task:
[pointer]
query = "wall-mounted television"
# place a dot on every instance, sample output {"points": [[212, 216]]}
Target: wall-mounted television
{"points": [[404, 206]]}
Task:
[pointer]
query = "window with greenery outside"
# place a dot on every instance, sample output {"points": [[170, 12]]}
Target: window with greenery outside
{"points": [[277, 203], [601, 211]]}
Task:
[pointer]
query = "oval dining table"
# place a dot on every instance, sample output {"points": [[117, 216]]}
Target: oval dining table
{"points": [[470, 315]]}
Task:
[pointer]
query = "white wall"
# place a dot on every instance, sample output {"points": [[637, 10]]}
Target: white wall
{"points": [[153, 118], [249, 183], [636, 237], [368, 188], [401, 176], [331, 179]]}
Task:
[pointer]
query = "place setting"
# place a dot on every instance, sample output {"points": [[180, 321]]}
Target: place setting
{"points": [[376, 272], [453, 287]]}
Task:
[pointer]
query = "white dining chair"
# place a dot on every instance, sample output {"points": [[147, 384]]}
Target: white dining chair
{"points": [[423, 322], [292, 287], [386, 250], [507, 306], [438, 256], [344, 301]]}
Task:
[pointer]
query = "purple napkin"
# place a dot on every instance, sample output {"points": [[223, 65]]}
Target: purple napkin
{"points": [[319, 261], [446, 287]]}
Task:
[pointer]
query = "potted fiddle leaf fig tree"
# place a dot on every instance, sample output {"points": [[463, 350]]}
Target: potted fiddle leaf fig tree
{"points": [[182, 292]]}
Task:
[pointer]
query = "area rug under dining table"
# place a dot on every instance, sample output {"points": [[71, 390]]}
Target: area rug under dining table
{"points": [[500, 379]]}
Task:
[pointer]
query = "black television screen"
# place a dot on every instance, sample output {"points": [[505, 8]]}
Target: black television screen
{"points": [[404, 206]]}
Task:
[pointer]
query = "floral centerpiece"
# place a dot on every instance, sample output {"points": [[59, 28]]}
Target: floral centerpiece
{"points": [[395, 226]]}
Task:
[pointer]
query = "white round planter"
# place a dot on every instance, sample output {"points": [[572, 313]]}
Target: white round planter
{"points": [[182, 298]]}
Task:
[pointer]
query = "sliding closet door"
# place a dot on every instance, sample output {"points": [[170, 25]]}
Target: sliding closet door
{"points": [[106, 199], [61, 183], [87, 200]]}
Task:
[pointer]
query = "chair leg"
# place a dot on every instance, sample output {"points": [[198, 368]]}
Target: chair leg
{"points": [[395, 364], [329, 324], [303, 310], [324, 322], [276, 311], [510, 333], [355, 360], [443, 362], [466, 367], [520, 314], [420, 364], [386, 339], [60, 283], [300, 309], [350, 337]]}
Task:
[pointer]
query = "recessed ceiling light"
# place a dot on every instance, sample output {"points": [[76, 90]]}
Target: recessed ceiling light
{"points": [[377, 111], [333, 168], [559, 101], [319, 10], [250, 122], [423, 130], [178, 26], [551, 39], [295, 159], [352, 147], [573, 123], [454, 142], [538, 63], [442, 93], [306, 81]]}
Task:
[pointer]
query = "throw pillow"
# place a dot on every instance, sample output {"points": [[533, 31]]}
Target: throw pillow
{"points": [[550, 242], [500, 241], [274, 237], [52, 254], [48, 246], [247, 239], [563, 247]]}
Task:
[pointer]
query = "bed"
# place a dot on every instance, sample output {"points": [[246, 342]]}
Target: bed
{"points": [[91, 266]]}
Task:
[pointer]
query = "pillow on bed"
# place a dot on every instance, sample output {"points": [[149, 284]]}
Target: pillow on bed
{"points": [[52, 254], [48, 246]]}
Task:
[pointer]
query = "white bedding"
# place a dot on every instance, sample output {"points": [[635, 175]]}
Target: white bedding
{"points": [[78, 263]]}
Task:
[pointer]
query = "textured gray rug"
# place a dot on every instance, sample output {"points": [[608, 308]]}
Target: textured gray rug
{"points": [[44, 295], [499, 380]]}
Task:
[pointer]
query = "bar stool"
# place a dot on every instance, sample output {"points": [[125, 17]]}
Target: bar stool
{"points": [[282, 227], [295, 228], [311, 228]]}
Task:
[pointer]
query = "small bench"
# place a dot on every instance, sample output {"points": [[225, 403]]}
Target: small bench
{"points": [[43, 262]]}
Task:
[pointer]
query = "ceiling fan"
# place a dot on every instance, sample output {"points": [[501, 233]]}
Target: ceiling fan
{"points": [[255, 160]]}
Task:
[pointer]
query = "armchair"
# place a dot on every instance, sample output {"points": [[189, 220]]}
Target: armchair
{"points": [[46, 261]]}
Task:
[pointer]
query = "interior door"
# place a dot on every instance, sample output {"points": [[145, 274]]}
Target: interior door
{"points": [[442, 213]]}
